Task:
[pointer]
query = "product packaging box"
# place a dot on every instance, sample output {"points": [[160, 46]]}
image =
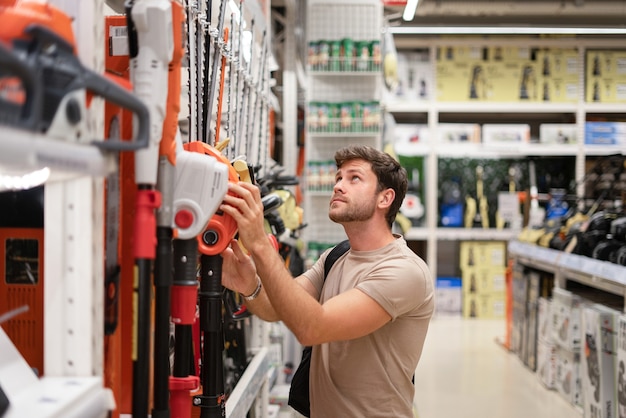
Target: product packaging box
{"points": [[540, 284], [505, 134], [530, 358], [415, 77], [559, 75], [620, 379], [458, 132], [605, 133], [605, 76], [448, 296], [484, 254], [567, 377], [598, 360], [546, 364], [479, 280], [484, 306], [558, 133], [544, 323], [461, 74], [566, 312], [406, 134], [518, 329]]}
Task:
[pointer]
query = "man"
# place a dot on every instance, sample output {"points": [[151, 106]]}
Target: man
{"points": [[367, 322]]}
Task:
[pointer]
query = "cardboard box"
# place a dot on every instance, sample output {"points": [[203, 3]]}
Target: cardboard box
{"points": [[620, 378], [461, 73], [598, 360], [448, 296], [558, 133], [605, 133], [415, 77], [477, 280], [566, 318], [567, 377], [559, 77], [484, 254], [484, 306], [530, 359], [546, 364], [458, 132], [605, 76], [544, 323], [506, 134]]}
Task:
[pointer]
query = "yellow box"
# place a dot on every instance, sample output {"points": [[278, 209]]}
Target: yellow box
{"points": [[559, 90], [605, 73], [485, 306], [453, 81], [476, 280], [559, 63], [484, 254], [461, 74]]}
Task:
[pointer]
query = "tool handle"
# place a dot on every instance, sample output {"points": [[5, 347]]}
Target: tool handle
{"points": [[110, 91], [33, 104]]}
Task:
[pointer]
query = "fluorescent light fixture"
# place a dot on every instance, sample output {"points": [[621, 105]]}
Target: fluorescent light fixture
{"points": [[501, 30], [409, 10]]}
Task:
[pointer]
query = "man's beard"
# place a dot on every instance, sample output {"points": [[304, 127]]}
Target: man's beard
{"points": [[351, 213]]}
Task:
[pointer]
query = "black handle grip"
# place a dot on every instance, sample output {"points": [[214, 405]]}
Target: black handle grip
{"points": [[31, 109]]}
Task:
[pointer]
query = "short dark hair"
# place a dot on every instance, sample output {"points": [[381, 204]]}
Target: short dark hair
{"points": [[388, 171]]}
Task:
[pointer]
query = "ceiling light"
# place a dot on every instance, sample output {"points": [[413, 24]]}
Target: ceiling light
{"points": [[409, 10], [501, 30]]}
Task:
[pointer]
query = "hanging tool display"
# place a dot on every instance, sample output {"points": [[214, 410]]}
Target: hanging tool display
{"points": [[151, 49], [166, 177], [49, 90]]}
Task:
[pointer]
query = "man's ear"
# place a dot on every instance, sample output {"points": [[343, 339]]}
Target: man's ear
{"points": [[386, 197]]}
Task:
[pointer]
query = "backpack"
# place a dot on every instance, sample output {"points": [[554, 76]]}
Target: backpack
{"points": [[299, 390]]}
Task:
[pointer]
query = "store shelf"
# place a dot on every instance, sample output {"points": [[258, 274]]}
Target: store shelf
{"points": [[461, 234], [420, 106], [332, 95], [248, 387], [600, 150], [598, 274]]}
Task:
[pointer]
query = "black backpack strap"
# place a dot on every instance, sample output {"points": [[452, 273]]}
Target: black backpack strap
{"points": [[339, 250]]}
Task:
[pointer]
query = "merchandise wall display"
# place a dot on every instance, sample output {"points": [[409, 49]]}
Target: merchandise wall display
{"points": [[499, 102], [342, 102], [105, 280]]}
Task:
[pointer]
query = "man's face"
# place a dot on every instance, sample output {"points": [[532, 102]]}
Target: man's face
{"points": [[354, 193]]}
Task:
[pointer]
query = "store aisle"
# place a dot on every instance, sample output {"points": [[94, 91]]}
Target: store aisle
{"points": [[465, 373]]}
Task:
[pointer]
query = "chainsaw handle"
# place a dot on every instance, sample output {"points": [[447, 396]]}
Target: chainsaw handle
{"points": [[100, 85], [31, 109], [112, 92]]}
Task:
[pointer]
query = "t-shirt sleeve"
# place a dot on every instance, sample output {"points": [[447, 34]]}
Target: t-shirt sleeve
{"points": [[316, 273], [399, 286]]}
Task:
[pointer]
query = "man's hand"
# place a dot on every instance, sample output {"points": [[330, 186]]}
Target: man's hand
{"points": [[244, 205], [238, 270]]}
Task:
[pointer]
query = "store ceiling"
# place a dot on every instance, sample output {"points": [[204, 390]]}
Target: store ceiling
{"points": [[579, 13]]}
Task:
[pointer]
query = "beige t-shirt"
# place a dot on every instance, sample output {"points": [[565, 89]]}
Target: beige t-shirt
{"points": [[371, 376]]}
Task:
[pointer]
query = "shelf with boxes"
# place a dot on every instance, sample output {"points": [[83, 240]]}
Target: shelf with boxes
{"points": [[498, 103], [568, 325]]}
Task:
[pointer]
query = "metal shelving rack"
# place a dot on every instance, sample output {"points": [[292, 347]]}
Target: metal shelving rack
{"points": [[598, 274], [74, 271], [431, 110], [336, 20]]}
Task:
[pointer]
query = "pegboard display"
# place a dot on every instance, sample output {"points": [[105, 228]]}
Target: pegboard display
{"points": [[329, 20], [342, 103]]}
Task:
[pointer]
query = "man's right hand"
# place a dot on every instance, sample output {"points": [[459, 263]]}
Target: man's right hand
{"points": [[238, 270]]}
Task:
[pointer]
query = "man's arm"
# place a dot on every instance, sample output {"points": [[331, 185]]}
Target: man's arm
{"points": [[239, 275], [350, 315]]}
